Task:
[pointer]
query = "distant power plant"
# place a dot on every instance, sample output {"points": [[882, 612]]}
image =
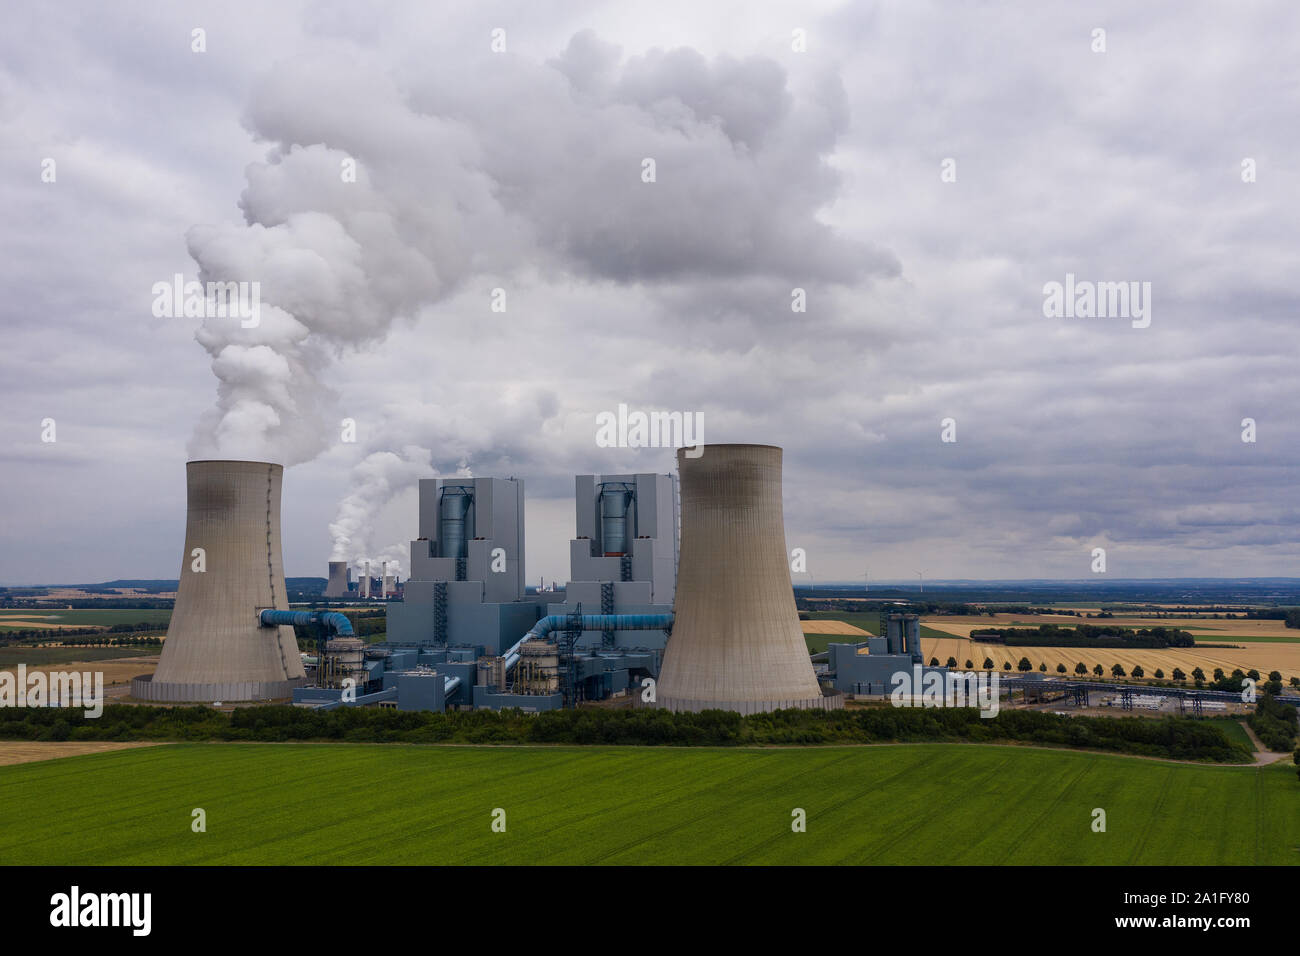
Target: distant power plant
{"points": [[216, 647], [340, 580], [737, 643]]}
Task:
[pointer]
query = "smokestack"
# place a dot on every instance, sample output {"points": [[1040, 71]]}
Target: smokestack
{"points": [[736, 641], [338, 580], [367, 594], [383, 580], [231, 569]]}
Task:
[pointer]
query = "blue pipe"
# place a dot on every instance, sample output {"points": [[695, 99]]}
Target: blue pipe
{"points": [[335, 621], [590, 622]]}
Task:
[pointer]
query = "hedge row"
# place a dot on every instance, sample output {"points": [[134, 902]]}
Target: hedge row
{"points": [[1175, 737]]}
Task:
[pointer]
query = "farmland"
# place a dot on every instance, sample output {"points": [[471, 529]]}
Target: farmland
{"points": [[938, 803], [25, 618]]}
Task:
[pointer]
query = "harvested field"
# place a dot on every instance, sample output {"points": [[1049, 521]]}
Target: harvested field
{"points": [[1223, 629], [27, 751], [1264, 657], [833, 627], [115, 670]]}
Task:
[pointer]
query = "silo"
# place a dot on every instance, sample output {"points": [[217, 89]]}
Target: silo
{"points": [[736, 642], [231, 569]]}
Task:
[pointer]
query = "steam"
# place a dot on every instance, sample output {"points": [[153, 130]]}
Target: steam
{"points": [[381, 196]]}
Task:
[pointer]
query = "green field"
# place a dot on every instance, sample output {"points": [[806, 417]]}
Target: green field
{"points": [[84, 617], [939, 803], [1234, 730]]}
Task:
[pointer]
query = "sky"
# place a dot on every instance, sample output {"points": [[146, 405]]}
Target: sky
{"points": [[922, 172]]}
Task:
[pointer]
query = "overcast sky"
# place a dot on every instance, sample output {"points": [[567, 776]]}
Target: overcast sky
{"points": [[822, 168]]}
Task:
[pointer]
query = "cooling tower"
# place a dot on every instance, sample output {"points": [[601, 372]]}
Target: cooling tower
{"points": [[338, 580], [215, 647], [736, 642]]}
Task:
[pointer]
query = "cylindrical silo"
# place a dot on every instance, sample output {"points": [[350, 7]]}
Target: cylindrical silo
{"points": [[615, 499], [231, 569], [736, 642], [456, 522]]}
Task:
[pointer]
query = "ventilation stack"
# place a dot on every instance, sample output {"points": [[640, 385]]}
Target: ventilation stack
{"points": [[338, 580], [216, 649], [736, 642]]}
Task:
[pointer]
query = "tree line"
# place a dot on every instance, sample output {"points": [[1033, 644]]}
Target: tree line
{"points": [[1172, 737], [1084, 635]]}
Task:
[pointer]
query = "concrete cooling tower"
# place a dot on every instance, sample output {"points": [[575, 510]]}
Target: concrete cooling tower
{"points": [[231, 570], [338, 580], [736, 641]]}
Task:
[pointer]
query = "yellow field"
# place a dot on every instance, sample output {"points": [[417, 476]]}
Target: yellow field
{"points": [[1263, 657], [115, 670], [832, 627], [1223, 630], [25, 751]]}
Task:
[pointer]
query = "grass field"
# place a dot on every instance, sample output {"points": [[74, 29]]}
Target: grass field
{"points": [[26, 618], [1234, 730], [941, 803]]}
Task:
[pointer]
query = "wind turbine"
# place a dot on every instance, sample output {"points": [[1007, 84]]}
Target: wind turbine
{"points": [[921, 575]]}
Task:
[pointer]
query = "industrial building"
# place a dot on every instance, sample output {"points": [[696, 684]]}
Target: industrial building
{"points": [[217, 647], [466, 615], [466, 585], [867, 668], [623, 559], [737, 643]]}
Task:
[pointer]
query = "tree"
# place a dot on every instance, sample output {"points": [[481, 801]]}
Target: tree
{"points": [[1098, 671], [1023, 665], [1198, 674], [1081, 668], [970, 665], [1252, 674], [952, 663], [934, 662], [1218, 674], [1275, 675], [1042, 666], [1060, 668], [1138, 671], [1117, 671], [1179, 675], [1006, 665], [988, 663], [1160, 675]]}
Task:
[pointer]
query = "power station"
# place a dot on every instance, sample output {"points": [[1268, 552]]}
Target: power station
{"points": [[683, 606]]}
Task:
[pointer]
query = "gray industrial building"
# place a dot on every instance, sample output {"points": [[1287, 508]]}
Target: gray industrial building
{"points": [[466, 633], [623, 558], [466, 583], [867, 668]]}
